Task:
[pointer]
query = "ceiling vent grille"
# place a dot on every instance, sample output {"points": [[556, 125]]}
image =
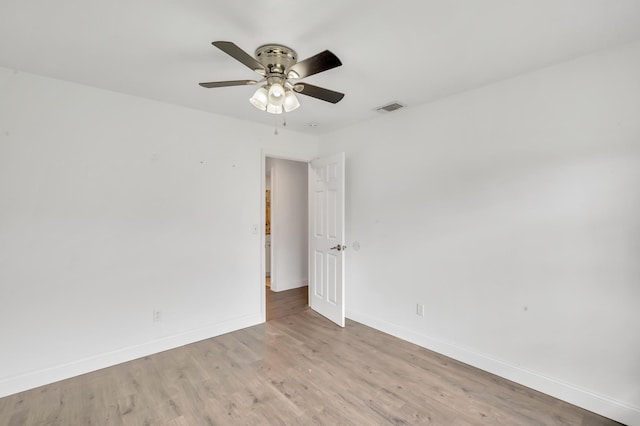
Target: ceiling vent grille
{"points": [[393, 106]]}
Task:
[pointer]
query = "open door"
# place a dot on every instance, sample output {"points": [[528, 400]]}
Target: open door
{"points": [[326, 237]]}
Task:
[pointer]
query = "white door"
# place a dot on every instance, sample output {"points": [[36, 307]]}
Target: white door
{"points": [[326, 237]]}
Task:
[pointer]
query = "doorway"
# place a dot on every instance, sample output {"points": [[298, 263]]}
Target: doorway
{"points": [[286, 237]]}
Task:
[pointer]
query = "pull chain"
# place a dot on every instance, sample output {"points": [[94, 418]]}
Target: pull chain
{"points": [[275, 124]]}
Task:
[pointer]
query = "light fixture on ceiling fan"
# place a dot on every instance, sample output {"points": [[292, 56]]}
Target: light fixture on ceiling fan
{"points": [[277, 64], [274, 98]]}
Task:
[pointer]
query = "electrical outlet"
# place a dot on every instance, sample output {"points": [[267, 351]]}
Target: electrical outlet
{"points": [[157, 315], [420, 309]]}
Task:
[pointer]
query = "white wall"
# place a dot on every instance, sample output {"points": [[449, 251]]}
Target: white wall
{"points": [[512, 213], [113, 206], [289, 217]]}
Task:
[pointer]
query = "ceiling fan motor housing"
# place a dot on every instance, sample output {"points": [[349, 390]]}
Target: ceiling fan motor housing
{"points": [[277, 59]]}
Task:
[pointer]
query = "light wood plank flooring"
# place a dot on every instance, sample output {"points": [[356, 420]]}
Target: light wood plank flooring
{"points": [[297, 370], [288, 302]]}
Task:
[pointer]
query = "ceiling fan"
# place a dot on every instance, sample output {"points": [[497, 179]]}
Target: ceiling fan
{"points": [[278, 65]]}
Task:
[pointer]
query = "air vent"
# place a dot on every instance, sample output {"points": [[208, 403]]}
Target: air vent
{"points": [[393, 106]]}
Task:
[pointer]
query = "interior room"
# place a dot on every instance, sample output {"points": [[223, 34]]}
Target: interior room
{"points": [[490, 214]]}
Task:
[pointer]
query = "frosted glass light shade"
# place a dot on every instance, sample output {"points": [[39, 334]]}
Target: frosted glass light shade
{"points": [[274, 109], [260, 99], [274, 99], [276, 94], [290, 101]]}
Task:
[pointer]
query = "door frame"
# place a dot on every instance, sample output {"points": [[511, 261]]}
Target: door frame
{"points": [[283, 155]]}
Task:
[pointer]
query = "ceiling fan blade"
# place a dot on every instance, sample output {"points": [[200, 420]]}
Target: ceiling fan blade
{"points": [[213, 84], [318, 92], [323, 61], [240, 55]]}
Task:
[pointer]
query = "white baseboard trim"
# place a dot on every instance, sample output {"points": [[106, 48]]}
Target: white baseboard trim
{"points": [[290, 286], [600, 404], [21, 382]]}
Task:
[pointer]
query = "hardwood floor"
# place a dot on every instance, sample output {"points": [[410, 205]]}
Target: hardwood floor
{"points": [[288, 302], [299, 369]]}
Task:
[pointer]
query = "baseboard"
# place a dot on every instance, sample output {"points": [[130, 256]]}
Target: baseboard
{"points": [[600, 404], [26, 381], [296, 284]]}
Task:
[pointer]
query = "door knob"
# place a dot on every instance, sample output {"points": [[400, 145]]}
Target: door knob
{"points": [[339, 247]]}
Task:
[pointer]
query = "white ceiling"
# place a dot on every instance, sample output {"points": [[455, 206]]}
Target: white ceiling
{"points": [[409, 51]]}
